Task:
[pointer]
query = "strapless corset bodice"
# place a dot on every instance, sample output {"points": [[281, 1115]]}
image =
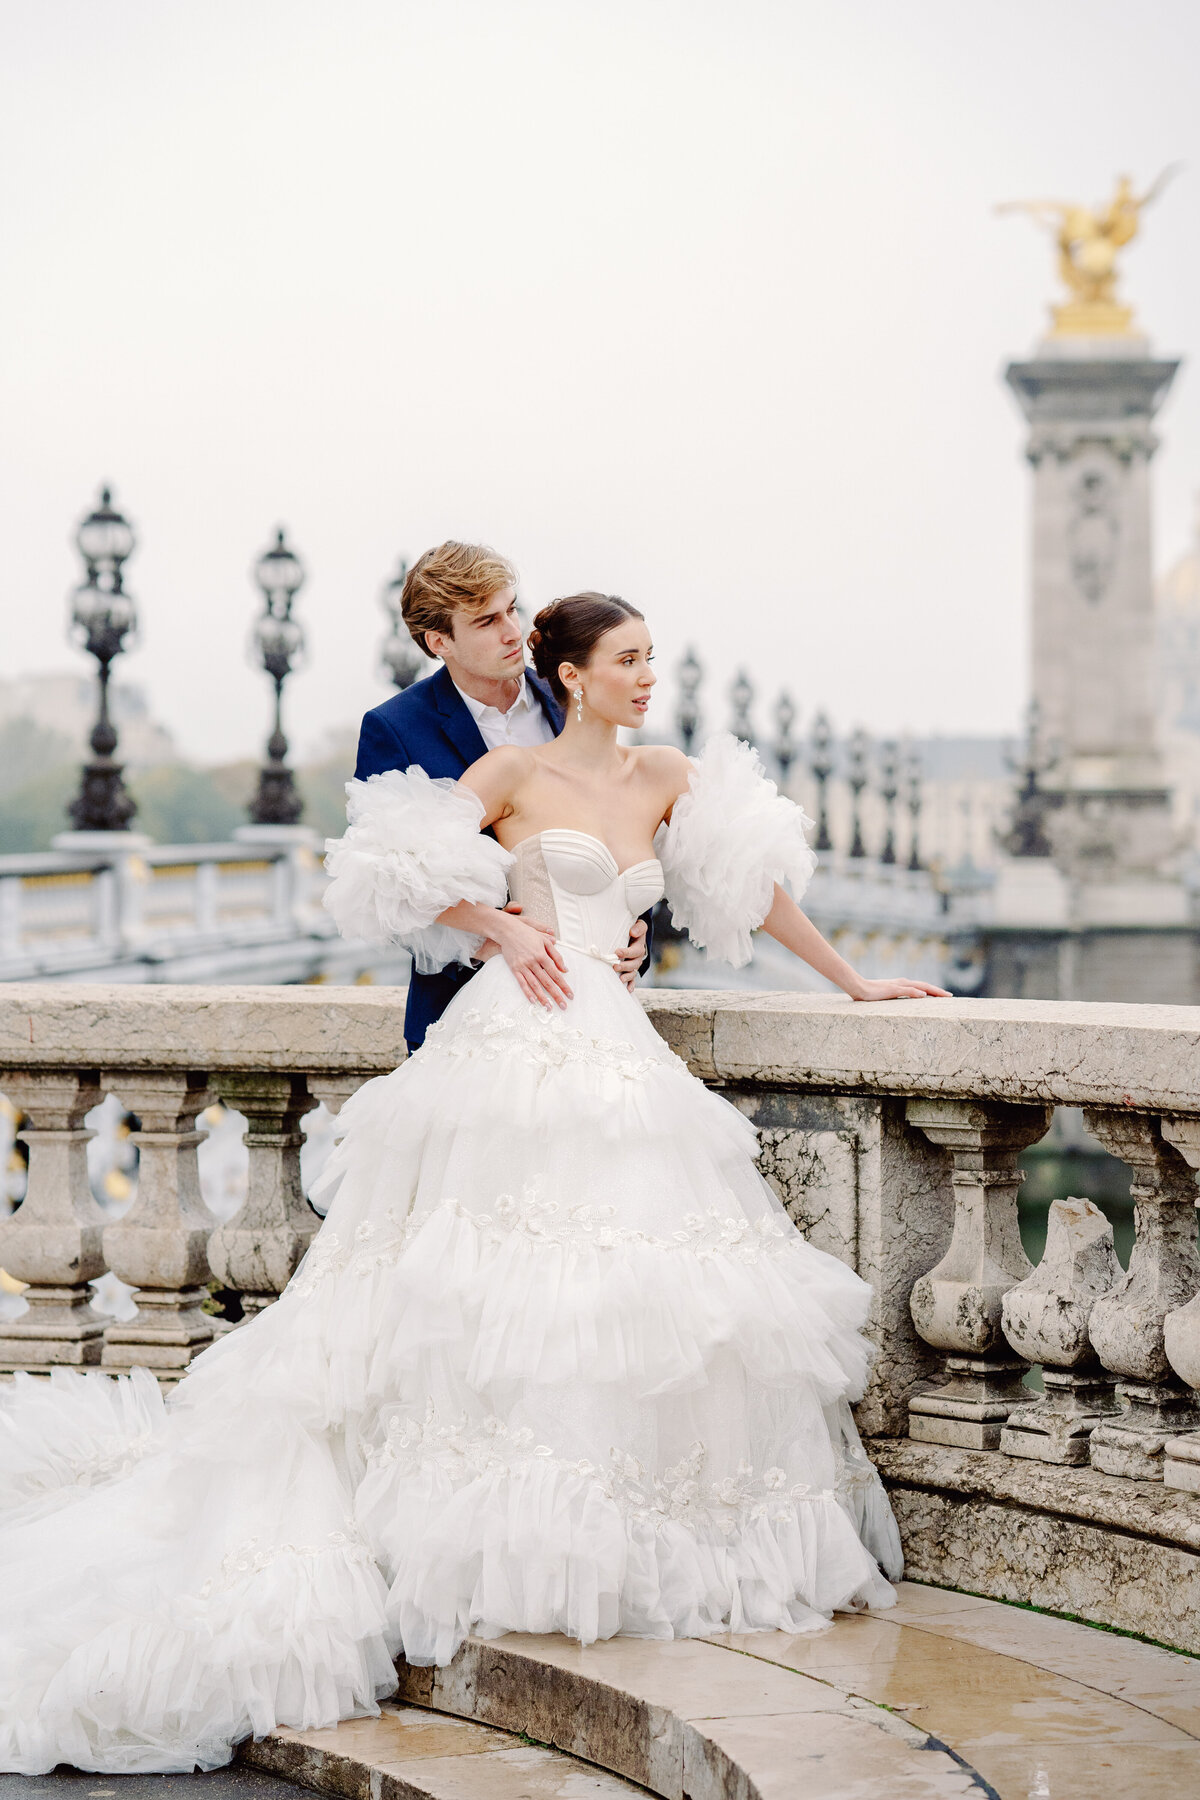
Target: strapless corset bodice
{"points": [[570, 881]]}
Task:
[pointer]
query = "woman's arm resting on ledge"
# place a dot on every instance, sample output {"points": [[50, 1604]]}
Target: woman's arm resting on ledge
{"points": [[790, 927]]}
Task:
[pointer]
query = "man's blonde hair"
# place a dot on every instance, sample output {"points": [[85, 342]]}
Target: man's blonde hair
{"points": [[449, 578]]}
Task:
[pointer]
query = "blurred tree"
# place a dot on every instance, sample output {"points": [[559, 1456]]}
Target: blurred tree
{"points": [[177, 804], [181, 805], [29, 750], [39, 770], [31, 814], [323, 786]]}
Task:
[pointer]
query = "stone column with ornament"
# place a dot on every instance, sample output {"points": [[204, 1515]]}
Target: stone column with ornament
{"points": [[160, 1246], [1127, 1326], [1046, 1319], [1181, 1329], [956, 1306], [1113, 921], [54, 1242], [256, 1252]]}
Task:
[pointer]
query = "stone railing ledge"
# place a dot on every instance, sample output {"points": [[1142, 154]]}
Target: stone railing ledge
{"points": [[318, 1029], [1064, 1052], [1071, 1053]]}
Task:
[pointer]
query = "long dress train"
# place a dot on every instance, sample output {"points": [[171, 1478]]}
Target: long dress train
{"points": [[556, 1361]]}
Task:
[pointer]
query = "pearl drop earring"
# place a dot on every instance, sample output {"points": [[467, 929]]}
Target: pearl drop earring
{"points": [[579, 704]]}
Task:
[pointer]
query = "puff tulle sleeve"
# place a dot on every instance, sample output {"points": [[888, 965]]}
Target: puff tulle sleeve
{"points": [[413, 847], [731, 837]]}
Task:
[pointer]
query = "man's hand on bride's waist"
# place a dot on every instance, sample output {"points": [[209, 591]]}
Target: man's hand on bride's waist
{"points": [[531, 954], [630, 959]]}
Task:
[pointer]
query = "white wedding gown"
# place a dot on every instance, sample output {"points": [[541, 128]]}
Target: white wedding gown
{"points": [[557, 1360]]}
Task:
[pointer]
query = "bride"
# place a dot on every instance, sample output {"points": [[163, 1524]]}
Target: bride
{"points": [[557, 1360]]}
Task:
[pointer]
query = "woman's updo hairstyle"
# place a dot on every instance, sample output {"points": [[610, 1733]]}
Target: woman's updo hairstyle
{"points": [[568, 631]]}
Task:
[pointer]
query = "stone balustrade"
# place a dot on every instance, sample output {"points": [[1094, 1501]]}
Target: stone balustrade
{"points": [[893, 1134], [141, 912], [250, 911]]}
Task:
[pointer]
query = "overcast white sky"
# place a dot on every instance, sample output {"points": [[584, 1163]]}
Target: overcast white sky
{"points": [[698, 301]]}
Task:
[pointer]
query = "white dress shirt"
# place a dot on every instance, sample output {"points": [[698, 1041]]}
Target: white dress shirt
{"points": [[524, 723]]}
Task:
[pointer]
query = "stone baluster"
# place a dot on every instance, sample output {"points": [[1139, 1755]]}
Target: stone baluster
{"points": [[256, 1252], [1181, 1330], [333, 1091], [1045, 1320], [160, 1247], [956, 1306], [1127, 1324], [55, 1239]]}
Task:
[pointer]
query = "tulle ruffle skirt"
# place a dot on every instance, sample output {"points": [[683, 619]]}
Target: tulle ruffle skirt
{"points": [[557, 1361]]}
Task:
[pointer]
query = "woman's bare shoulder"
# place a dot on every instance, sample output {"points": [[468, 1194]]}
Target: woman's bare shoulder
{"points": [[507, 762], [664, 765], [498, 777]]}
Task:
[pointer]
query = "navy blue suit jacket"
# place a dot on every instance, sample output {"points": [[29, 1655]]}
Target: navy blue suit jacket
{"points": [[429, 724]]}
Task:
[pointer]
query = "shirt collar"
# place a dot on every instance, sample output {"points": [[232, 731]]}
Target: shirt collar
{"points": [[477, 708]]}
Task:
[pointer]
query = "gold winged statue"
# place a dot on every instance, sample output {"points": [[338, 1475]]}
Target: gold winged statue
{"points": [[1088, 241]]}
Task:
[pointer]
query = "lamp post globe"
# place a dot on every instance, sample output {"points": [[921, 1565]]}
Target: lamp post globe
{"points": [[402, 659], [821, 763], [687, 712], [856, 780], [102, 616], [105, 539], [279, 642]]}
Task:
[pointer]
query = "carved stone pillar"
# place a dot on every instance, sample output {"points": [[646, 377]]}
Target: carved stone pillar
{"points": [[1045, 1319], [333, 1091], [161, 1245], [956, 1306], [1181, 1330], [54, 1240], [256, 1252], [1127, 1324]]}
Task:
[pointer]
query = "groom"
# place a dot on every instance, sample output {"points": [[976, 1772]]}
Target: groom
{"points": [[460, 606]]}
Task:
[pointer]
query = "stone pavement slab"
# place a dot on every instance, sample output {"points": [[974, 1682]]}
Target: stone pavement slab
{"points": [[693, 1718], [411, 1754], [946, 1697], [1041, 1708], [235, 1783]]}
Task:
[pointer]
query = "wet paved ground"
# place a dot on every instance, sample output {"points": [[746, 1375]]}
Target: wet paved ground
{"points": [[223, 1784], [1038, 1708]]}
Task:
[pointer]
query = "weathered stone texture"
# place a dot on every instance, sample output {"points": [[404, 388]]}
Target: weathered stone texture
{"points": [[865, 1189], [1113, 1551], [1019, 1050], [1046, 1320]]}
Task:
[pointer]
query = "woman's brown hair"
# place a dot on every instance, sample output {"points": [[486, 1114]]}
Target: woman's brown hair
{"points": [[569, 630]]}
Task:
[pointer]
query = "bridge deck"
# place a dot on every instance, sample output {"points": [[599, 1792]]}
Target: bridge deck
{"points": [[948, 1695]]}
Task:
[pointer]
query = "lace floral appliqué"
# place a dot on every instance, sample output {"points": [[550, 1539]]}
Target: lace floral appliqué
{"points": [[252, 1557], [380, 1246], [543, 1042], [465, 1452]]}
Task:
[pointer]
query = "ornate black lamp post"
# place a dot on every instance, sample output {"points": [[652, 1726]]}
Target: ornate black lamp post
{"points": [[913, 799], [856, 777], [279, 640], [1026, 834], [741, 695], [102, 613], [820, 761], [687, 710], [785, 746], [401, 657], [888, 791]]}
